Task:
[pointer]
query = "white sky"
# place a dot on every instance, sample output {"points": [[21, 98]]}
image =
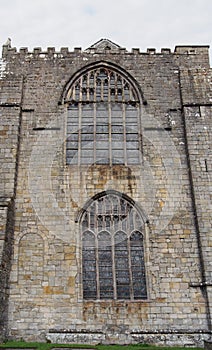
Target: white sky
{"points": [[129, 23]]}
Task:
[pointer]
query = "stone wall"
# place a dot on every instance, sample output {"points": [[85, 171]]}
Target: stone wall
{"points": [[7, 221], [171, 186]]}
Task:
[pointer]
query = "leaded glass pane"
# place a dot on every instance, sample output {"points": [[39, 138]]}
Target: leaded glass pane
{"points": [[122, 266], [113, 258], [105, 265], [103, 106], [137, 264], [89, 266]]}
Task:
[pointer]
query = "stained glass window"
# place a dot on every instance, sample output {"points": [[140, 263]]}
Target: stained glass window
{"points": [[113, 265]]}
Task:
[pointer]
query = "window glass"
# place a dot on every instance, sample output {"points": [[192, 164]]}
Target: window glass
{"points": [[103, 107], [113, 264]]}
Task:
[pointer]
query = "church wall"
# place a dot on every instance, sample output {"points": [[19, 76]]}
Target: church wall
{"points": [[46, 279]]}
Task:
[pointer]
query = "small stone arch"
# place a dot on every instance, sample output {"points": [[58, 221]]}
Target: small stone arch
{"points": [[30, 264], [16, 250]]}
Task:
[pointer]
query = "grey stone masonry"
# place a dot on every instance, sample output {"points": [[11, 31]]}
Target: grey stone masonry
{"points": [[104, 142]]}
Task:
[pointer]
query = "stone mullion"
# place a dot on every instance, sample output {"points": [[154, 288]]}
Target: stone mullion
{"points": [[73, 94], [88, 87], [124, 124], [114, 266], [131, 93], [110, 126], [94, 118], [97, 265], [80, 123], [140, 147]]}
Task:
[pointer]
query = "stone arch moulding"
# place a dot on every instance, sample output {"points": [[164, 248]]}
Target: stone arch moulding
{"points": [[40, 233], [31, 259], [101, 64], [16, 250], [111, 192], [112, 230]]}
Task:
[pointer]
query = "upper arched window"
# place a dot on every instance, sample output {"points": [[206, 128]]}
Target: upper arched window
{"points": [[103, 123], [113, 265]]}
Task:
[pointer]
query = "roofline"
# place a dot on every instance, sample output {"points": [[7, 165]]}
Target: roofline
{"points": [[191, 46], [99, 41]]}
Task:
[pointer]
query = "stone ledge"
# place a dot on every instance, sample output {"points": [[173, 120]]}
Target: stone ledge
{"points": [[187, 339], [76, 337], [161, 338]]}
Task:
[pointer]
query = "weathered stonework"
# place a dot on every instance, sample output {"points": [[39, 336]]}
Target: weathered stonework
{"points": [[42, 198]]}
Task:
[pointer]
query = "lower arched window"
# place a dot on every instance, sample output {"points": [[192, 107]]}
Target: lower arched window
{"points": [[113, 264]]}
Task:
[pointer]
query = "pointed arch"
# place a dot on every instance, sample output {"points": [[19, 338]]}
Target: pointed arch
{"points": [[113, 265], [140, 211], [104, 116], [65, 96]]}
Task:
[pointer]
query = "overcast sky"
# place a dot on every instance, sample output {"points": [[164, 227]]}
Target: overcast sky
{"points": [[129, 23]]}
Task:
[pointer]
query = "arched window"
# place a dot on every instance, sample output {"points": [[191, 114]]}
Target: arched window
{"points": [[113, 264], [103, 123]]}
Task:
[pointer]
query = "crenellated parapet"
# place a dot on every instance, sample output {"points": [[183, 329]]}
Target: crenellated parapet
{"points": [[103, 47]]}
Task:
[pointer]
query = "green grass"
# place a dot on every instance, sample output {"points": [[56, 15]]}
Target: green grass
{"points": [[48, 346], [40, 346]]}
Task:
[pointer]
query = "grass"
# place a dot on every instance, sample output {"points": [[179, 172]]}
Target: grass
{"points": [[48, 346]]}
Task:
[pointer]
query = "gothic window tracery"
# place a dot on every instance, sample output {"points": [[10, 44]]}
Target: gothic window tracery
{"points": [[113, 264], [103, 123]]}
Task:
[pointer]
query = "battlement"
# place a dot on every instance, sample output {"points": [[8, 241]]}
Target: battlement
{"points": [[192, 49], [51, 52]]}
